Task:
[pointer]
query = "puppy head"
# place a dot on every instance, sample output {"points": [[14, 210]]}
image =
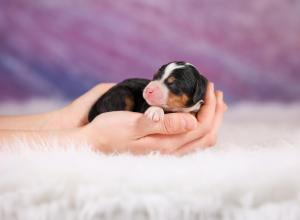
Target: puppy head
{"points": [[177, 86]]}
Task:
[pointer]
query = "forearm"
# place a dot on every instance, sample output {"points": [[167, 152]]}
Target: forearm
{"points": [[61, 138], [73, 115], [58, 119]]}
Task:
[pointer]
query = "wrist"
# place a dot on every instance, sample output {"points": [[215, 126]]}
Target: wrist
{"points": [[65, 118], [93, 137], [46, 138], [73, 116], [39, 122]]}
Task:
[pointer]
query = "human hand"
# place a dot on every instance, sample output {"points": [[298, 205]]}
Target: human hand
{"points": [[138, 134], [73, 115], [204, 135], [209, 118], [124, 131], [177, 133], [76, 113]]}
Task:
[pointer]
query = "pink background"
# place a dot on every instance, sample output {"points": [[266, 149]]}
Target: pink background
{"points": [[60, 48]]}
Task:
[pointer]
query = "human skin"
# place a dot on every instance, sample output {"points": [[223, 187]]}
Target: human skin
{"points": [[121, 131]]}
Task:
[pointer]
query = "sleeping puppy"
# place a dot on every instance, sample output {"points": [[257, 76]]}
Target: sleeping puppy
{"points": [[176, 87]]}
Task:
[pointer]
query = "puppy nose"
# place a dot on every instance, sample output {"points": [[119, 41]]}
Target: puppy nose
{"points": [[149, 91]]}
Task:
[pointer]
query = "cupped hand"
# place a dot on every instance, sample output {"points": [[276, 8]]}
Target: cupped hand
{"points": [[76, 113], [177, 133], [209, 120], [124, 131]]}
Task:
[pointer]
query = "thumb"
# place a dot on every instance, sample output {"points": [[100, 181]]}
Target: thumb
{"points": [[172, 123]]}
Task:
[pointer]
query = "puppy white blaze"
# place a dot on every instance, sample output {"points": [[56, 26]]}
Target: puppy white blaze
{"points": [[167, 72], [189, 64], [169, 69]]}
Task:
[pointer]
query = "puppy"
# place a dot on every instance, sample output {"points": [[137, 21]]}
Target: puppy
{"points": [[176, 87]]}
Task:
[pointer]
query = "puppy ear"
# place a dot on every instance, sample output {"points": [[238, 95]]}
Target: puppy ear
{"points": [[200, 89]]}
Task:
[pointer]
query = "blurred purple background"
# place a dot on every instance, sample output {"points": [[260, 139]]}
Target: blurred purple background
{"points": [[60, 48]]}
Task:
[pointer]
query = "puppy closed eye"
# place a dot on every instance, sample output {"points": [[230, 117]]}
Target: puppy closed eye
{"points": [[173, 85], [171, 80], [175, 88]]}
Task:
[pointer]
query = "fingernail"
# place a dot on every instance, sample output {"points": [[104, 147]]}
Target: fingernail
{"points": [[220, 96], [212, 86], [226, 107]]}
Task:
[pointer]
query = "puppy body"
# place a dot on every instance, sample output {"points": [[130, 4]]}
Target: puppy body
{"points": [[176, 87], [126, 95]]}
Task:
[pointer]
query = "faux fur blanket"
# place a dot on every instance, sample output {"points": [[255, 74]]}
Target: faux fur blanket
{"points": [[253, 173]]}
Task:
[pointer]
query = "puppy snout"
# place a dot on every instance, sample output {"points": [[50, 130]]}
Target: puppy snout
{"points": [[153, 91], [153, 94], [149, 91]]}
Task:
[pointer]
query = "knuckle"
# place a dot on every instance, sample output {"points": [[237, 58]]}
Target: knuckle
{"points": [[166, 125], [221, 105], [207, 127], [219, 93], [225, 107], [170, 125], [99, 87], [102, 87], [211, 141]]}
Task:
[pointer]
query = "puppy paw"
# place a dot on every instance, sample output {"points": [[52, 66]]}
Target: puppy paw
{"points": [[155, 113]]}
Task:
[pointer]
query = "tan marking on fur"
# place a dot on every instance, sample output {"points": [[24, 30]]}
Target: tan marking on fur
{"points": [[129, 104], [171, 79], [177, 101], [194, 113]]}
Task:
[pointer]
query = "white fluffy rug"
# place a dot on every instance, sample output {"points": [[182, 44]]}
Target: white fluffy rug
{"points": [[253, 173]]}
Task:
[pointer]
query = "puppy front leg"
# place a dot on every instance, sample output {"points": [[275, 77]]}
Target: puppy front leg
{"points": [[155, 113]]}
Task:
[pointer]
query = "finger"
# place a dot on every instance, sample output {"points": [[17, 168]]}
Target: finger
{"points": [[220, 110], [154, 136], [211, 138], [90, 97], [97, 91], [191, 147], [205, 119], [206, 114], [82, 105], [103, 87], [173, 123], [175, 126], [156, 142], [140, 147]]}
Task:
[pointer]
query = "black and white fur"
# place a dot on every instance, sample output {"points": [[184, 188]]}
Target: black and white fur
{"points": [[179, 87]]}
